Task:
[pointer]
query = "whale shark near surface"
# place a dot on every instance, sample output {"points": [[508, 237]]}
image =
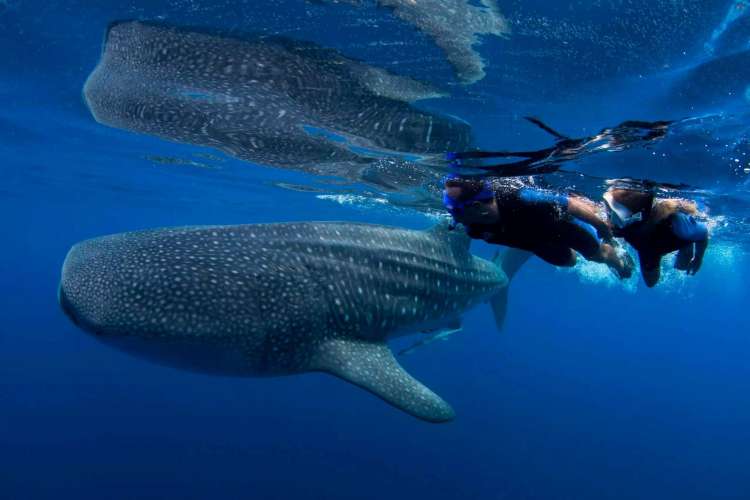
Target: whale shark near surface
{"points": [[454, 25], [266, 99], [278, 299]]}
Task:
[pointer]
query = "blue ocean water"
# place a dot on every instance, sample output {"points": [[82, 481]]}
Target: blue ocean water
{"points": [[595, 389]]}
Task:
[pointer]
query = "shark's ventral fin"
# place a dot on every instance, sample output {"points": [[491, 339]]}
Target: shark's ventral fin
{"points": [[371, 365]]}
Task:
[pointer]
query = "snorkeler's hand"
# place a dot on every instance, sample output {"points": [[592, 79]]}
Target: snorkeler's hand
{"points": [[695, 266]]}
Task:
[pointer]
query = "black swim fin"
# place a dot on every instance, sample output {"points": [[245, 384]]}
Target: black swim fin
{"points": [[539, 123]]}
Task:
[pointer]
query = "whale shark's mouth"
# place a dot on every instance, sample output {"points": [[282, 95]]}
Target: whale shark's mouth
{"points": [[66, 306], [70, 311]]}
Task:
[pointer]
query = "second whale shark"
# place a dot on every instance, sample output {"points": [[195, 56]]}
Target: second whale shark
{"points": [[278, 299], [266, 99]]}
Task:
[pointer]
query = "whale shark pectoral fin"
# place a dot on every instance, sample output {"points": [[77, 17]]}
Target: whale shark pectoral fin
{"points": [[371, 366]]}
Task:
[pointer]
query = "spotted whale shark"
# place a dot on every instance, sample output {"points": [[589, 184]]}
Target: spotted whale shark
{"points": [[454, 25], [270, 100], [279, 299]]}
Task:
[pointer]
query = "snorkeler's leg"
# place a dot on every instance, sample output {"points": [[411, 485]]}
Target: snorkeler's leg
{"points": [[587, 211]]}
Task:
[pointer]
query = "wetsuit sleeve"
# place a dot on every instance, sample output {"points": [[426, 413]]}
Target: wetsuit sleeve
{"points": [[532, 195], [688, 228]]}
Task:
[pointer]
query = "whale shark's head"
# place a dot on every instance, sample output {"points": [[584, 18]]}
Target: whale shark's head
{"points": [[67, 306], [82, 292], [101, 291], [195, 297]]}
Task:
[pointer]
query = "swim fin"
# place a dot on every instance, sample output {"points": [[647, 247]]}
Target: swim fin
{"points": [[539, 123]]}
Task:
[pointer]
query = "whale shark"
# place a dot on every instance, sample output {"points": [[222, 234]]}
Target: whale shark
{"points": [[270, 100], [281, 299], [454, 25]]}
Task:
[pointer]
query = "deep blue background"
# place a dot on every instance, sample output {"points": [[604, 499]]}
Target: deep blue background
{"points": [[592, 391]]}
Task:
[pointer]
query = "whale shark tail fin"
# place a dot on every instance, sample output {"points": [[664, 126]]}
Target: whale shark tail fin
{"points": [[510, 261], [371, 366]]}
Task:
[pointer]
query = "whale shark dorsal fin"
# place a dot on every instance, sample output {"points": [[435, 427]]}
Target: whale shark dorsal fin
{"points": [[456, 238], [371, 366], [510, 261]]}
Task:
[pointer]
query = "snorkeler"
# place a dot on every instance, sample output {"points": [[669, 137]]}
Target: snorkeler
{"points": [[541, 161], [657, 227], [552, 225]]}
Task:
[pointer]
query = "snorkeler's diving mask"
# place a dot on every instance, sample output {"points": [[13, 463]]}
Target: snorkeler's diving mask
{"points": [[620, 215], [456, 207]]}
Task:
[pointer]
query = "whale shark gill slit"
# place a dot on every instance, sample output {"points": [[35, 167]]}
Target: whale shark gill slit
{"points": [[372, 367]]}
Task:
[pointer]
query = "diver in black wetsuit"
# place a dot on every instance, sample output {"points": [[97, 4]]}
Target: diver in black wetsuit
{"points": [[552, 225], [547, 160], [657, 227]]}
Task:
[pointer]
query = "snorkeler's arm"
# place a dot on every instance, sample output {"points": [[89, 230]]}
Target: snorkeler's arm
{"points": [[666, 208], [700, 250], [586, 211], [687, 206]]}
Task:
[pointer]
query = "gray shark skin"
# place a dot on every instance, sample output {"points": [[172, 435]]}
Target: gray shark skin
{"points": [[454, 25], [269, 100], [278, 299]]}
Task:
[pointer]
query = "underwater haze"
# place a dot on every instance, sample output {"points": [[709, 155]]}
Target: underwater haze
{"points": [[141, 114]]}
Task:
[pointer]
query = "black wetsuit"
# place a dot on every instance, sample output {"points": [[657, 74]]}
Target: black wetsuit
{"points": [[538, 221], [652, 242]]}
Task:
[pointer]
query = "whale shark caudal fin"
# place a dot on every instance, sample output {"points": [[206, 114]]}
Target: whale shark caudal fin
{"points": [[510, 261], [371, 366]]}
